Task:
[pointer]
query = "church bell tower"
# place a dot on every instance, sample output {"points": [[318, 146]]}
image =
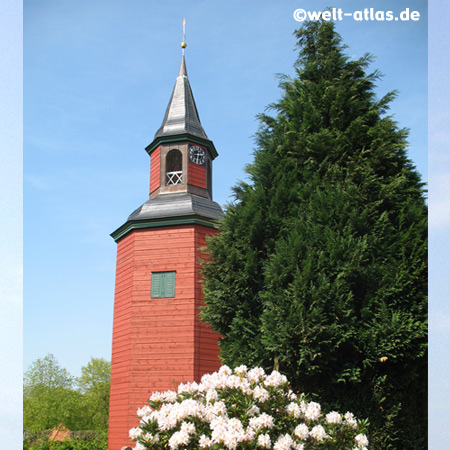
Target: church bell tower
{"points": [[158, 339]]}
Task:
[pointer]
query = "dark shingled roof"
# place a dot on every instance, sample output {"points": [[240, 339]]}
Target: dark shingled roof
{"points": [[177, 205], [181, 114]]}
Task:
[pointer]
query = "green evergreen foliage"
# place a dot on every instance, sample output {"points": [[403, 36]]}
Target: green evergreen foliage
{"points": [[320, 266]]}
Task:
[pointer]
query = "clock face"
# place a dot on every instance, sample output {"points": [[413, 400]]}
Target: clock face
{"points": [[197, 155]]}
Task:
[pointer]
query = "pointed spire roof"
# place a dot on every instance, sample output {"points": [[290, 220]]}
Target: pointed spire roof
{"points": [[181, 114]]}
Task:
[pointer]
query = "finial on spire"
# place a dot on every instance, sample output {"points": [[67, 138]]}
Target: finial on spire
{"points": [[183, 44]]}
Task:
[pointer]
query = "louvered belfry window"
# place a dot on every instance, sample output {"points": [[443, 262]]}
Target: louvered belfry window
{"points": [[163, 285]]}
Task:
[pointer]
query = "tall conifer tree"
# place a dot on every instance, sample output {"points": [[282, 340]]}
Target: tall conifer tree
{"points": [[320, 266]]}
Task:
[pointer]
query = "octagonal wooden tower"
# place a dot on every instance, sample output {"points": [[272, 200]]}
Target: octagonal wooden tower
{"points": [[158, 339]]}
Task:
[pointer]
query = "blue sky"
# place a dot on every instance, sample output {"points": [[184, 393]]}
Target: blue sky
{"points": [[439, 226], [97, 78]]}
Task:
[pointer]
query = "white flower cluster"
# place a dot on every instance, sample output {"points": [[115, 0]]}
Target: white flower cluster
{"points": [[294, 410], [262, 421], [318, 433], [284, 442], [334, 417], [350, 420], [361, 441], [237, 409], [311, 410]]}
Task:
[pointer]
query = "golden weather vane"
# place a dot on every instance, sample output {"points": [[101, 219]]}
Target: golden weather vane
{"points": [[183, 44]]}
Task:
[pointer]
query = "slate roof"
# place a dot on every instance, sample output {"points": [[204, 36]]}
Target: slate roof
{"points": [[177, 205], [181, 114]]}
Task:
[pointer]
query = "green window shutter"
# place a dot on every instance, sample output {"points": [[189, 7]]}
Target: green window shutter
{"points": [[163, 285], [156, 285], [169, 284]]}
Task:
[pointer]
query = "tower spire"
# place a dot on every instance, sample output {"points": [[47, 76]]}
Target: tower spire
{"points": [[181, 115], [182, 72], [183, 44]]}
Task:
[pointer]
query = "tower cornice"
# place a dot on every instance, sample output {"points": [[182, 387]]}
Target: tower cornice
{"points": [[169, 210], [183, 138], [132, 225]]}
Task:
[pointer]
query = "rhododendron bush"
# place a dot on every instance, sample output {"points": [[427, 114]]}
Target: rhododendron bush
{"points": [[243, 409]]}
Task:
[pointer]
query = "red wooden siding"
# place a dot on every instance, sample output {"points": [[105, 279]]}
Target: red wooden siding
{"points": [[157, 343], [120, 376], [206, 341], [197, 175], [155, 169]]}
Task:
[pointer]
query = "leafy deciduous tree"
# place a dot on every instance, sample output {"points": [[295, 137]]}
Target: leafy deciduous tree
{"points": [[50, 397], [94, 384]]}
